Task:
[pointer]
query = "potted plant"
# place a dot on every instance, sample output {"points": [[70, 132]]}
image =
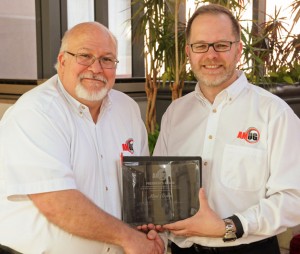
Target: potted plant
{"points": [[158, 23], [274, 50]]}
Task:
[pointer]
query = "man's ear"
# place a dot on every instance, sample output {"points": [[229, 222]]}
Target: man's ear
{"points": [[187, 50], [240, 50], [61, 59]]}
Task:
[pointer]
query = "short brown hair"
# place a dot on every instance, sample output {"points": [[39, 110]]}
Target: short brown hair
{"points": [[214, 9]]}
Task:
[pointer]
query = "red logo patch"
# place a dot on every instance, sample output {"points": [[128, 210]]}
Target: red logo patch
{"points": [[128, 146], [251, 135]]}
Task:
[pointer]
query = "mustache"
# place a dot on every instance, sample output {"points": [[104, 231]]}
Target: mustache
{"points": [[93, 76]]}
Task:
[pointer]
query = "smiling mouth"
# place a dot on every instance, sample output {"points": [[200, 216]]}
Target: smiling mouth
{"points": [[94, 78], [92, 83], [211, 66]]}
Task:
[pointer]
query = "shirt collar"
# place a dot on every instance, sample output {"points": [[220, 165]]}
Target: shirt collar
{"points": [[236, 87], [199, 94], [80, 108]]}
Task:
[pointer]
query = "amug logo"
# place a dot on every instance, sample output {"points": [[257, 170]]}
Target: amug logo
{"points": [[128, 146], [251, 135]]}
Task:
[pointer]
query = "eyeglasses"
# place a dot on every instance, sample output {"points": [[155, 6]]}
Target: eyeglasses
{"points": [[220, 46], [88, 59]]}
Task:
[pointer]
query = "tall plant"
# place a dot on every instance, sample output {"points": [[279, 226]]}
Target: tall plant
{"points": [[175, 73], [157, 22], [274, 50]]}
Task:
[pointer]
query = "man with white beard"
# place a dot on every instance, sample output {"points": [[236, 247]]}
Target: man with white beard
{"points": [[60, 153]]}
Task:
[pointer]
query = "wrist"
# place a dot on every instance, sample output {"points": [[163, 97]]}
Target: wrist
{"points": [[238, 225], [230, 230]]}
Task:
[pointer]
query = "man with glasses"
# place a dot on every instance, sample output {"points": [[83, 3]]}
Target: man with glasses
{"points": [[247, 138], [60, 151]]}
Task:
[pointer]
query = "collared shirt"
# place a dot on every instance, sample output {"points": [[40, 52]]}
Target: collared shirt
{"points": [[49, 142], [249, 141]]}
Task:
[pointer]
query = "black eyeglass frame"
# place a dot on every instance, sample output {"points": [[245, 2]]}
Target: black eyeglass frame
{"points": [[116, 61], [213, 45]]}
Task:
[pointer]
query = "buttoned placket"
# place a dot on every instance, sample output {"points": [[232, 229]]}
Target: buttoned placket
{"points": [[95, 131], [82, 109], [210, 135], [98, 139]]}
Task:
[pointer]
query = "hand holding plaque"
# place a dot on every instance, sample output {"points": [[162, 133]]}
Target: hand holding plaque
{"points": [[160, 190]]}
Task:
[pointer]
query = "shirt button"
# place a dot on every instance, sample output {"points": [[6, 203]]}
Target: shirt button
{"points": [[108, 249], [106, 188], [210, 136], [82, 107], [214, 110], [81, 113], [205, 163]]}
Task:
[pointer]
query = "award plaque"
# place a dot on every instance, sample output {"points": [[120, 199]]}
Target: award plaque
{"points": [[160, 189]]}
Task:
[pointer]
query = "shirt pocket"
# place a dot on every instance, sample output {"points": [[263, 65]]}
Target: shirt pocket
{"points": [[243, 168]]}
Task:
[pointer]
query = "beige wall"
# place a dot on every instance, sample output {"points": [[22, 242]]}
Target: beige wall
{"points": [[3, 108]]}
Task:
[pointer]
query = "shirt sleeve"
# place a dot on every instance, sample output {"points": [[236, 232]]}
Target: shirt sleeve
{"points": [[37, 153], [280, 208]]}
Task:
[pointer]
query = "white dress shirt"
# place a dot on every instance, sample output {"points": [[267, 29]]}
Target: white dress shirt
{"points": [[49, 142], [249, 141]]}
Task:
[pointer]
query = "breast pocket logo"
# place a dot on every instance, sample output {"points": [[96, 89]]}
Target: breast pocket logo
{"points": [[128, 146], [251, 135]]}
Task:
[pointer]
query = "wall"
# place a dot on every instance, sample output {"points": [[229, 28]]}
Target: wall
{"points": [[17, 40]]}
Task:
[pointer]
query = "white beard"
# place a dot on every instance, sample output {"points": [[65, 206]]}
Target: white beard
{"points": [[83, 93]]}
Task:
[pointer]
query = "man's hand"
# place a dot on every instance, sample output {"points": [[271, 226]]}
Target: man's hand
{"points": [[204, 223], [146, 244], [146, 228]]}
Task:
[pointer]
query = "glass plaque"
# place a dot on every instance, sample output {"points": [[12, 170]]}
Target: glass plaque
{"points": [[160, 189]]}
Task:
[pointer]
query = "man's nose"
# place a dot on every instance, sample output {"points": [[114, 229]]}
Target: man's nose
{"points": [[211, 51], [96, 66]]}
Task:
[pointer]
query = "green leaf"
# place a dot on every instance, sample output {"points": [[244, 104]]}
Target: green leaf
{"points": [[288, 80]]}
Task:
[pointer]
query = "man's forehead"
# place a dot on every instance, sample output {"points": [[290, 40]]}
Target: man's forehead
{"points": [[85, 50]]}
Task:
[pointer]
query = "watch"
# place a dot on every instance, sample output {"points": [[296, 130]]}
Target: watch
{"points": [[230, 232]]}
